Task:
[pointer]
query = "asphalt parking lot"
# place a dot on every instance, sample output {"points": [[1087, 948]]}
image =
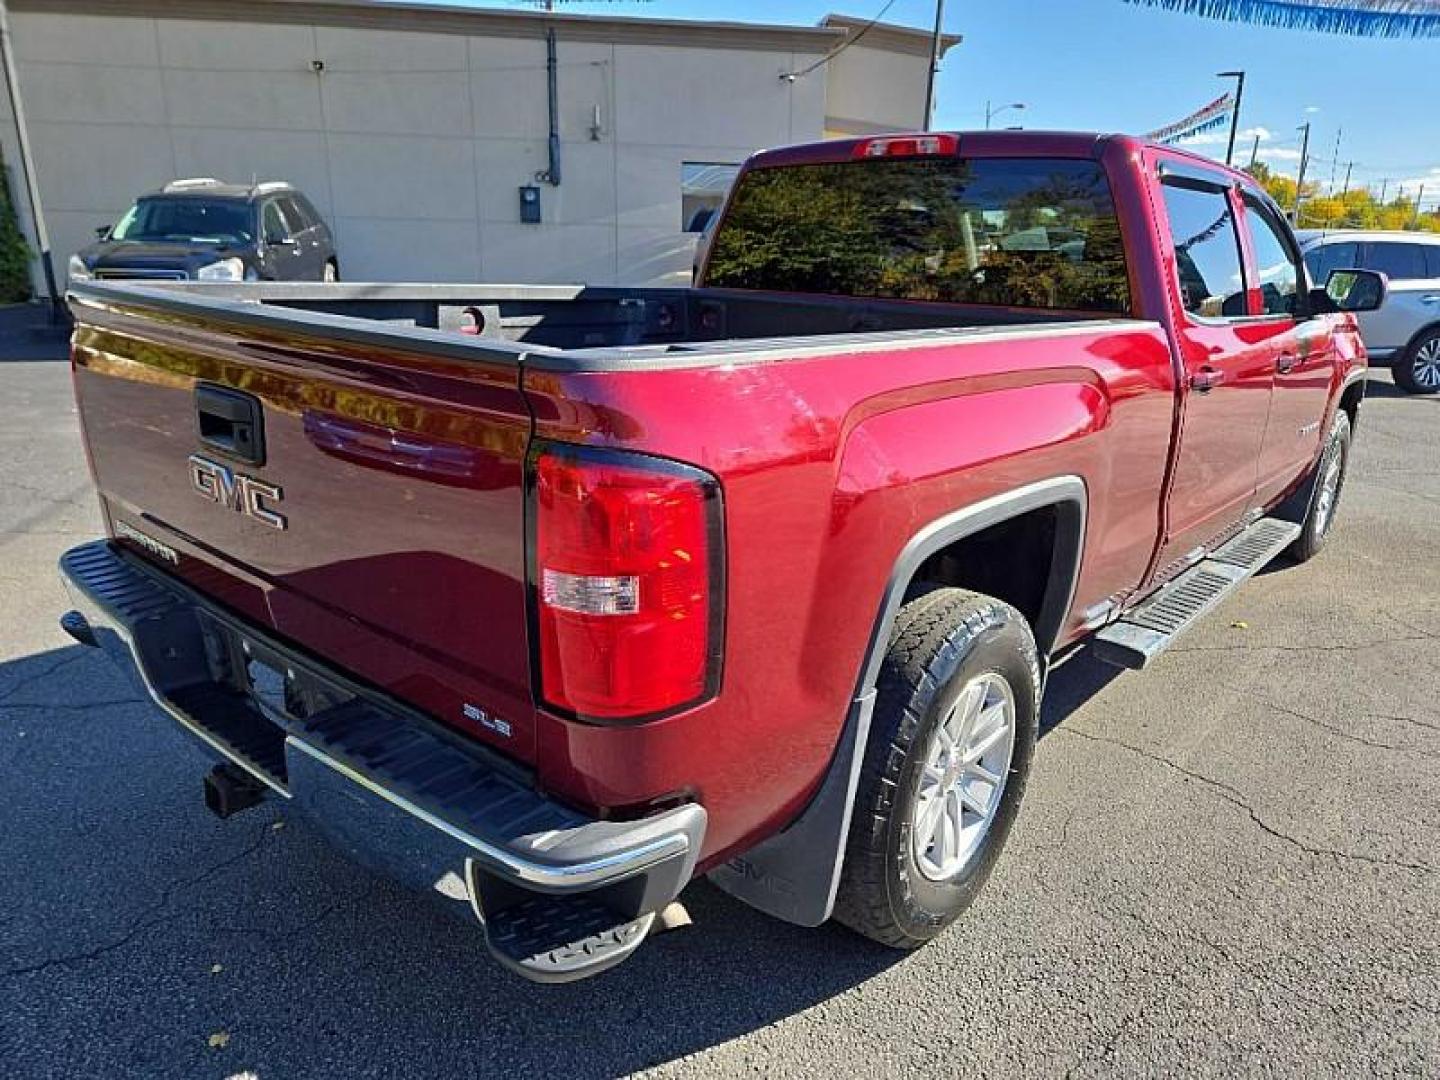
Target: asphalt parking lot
{"points": [[1227, 864]]}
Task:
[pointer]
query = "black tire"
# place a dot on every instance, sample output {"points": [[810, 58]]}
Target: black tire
{"points": [[1320, 516], [942, 640], [1423, 351]]}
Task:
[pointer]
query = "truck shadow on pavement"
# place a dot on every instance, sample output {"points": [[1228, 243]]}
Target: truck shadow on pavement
{"points": [[143, 925]]}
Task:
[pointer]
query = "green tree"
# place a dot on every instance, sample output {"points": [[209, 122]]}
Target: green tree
{"points": [[14, 252], [1357, 209]]}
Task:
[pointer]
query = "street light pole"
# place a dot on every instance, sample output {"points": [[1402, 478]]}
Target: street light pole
{"points": [[1239, 77], [991, 113], [934, 65]]}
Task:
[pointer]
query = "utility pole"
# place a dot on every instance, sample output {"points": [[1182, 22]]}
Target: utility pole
{"points": [[1348, 166], [1304, 160], [934, 66], [1335, 158], [1254, 152], [1418, 200], [1239, 77], [1383, 185]]}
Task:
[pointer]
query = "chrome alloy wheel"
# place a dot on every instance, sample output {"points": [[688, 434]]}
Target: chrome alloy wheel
{"points": [[1329, 492], [963, 778], [1426, 365]]}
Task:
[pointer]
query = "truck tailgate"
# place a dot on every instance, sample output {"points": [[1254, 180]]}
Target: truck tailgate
{"points": [[376, 519]]}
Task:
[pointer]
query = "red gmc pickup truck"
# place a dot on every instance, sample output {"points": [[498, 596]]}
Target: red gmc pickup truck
{"points": [[550, 599]]}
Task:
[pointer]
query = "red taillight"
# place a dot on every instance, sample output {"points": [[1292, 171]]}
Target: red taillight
{"points": [[627, 572], [907, 146]]}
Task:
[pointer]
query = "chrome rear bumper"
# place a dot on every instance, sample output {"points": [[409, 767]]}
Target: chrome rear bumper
{"points": [[388, 786]]}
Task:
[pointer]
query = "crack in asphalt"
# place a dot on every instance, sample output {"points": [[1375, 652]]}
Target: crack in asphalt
{"points": [[1409, 625], [1055, 846], [1237, 799], [31, 680], [1106, 1051], [1407, 720], [1351, 647], [37, 706], [1338, 732], [279, 937], [1403, 491], [152, 916]]}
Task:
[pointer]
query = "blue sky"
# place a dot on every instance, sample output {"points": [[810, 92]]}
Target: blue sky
{"points": [[1107, 65]]}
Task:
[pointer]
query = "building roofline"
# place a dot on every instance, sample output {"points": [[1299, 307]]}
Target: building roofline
{"points": [[434, 18], [891, 38]]}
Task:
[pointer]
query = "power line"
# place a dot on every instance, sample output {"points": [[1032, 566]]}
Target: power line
{"points": [[851, 40]]}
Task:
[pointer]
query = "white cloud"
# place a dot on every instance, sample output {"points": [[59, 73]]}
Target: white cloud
{"points": [[1312, 109], [1222, 137]]}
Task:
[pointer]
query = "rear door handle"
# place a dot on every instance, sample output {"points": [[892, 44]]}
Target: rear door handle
{"points": [[1285, 363], [1430, 298], [1206, 379]]}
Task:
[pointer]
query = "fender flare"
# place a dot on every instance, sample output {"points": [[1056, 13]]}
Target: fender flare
{"points": [[794, 874]]}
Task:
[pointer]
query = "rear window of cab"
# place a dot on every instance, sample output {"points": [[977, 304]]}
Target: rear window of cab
{"points": [[1010, 232]]}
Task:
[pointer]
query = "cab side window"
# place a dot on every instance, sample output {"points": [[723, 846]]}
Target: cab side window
{"points": [[272, 223], [1207, 250], [295, 214], [1276, 273]]}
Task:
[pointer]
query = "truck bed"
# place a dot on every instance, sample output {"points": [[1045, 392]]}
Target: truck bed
{"points": [[566, 327]]}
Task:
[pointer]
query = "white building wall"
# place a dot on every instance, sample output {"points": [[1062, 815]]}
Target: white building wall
{"points": [[412, 144]]}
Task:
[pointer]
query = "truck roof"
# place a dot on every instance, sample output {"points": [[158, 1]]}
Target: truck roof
{"points": [[1089, 144]]}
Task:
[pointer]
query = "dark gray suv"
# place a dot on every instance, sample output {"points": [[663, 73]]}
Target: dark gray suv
{"points": [[206, 230]]}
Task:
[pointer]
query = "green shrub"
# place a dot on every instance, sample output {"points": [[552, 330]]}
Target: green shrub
{"points": [[14, 252]]}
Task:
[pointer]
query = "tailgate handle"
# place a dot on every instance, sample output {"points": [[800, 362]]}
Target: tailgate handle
{"points": [[231, 422]]}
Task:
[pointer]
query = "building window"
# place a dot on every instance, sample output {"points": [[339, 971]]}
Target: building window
{"points": [[703, 187]]}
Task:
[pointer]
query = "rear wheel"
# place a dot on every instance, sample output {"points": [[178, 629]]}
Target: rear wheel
{"points": [[949, 750], [1329, 483], [1417, 371]]}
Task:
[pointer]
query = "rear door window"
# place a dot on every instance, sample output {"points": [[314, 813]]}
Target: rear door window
{"points": [[1397, 260], [1010, 232], [1276, 273], [1207, 250]]}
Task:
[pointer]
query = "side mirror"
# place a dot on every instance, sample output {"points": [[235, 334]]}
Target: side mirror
{"points": [[1354, 290], [102, 231]]}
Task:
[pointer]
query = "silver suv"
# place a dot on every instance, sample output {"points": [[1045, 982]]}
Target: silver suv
{"points": [[1405, 331]]}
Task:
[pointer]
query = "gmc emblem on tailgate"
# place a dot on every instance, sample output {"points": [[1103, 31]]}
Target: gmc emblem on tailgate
{"points": [[236, 491]]}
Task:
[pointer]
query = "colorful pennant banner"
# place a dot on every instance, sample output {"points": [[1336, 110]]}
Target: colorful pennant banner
{"points": [[1211, 116], [1359, 18]]}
